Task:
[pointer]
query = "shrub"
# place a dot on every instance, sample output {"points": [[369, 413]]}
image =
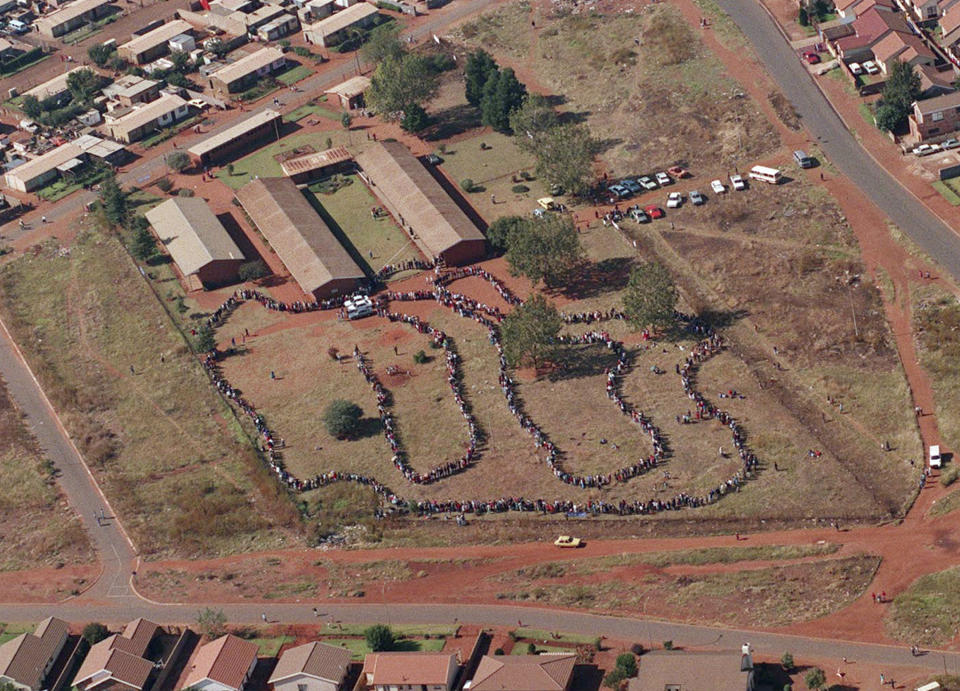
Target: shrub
{"points": [[178, 160], [498, 651], [531, 648], [787, 661], [251, 271], [379, 638], [165, 184], [184, 192], [285, 44], [94, 632], [420, 357], [302, 51], [668, 645], [627, 663], [816, 678], [598, 644], [211, 622], [949, 476], [342, 420], [468, 185], [519, 189], [229, 169], [613, 678], [637, 649]]}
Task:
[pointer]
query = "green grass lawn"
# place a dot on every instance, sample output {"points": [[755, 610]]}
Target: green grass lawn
{"points": [[523, 649], [270, 647], [309, 109], [265, 86], [10, 631], [947, 192], [294, 75], [438, 631], [867, 114], [20, 68], [263, 163], [359, 649], [378, 241], [928, 612]]}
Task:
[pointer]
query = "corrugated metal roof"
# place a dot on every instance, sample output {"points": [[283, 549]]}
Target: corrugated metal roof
{"points": [[352, 87], [342, 19], [225, 660], [151, 39], [191, 233], [248, 65], [296, 232], [71, 11], [147, 113], [215, 141], [52, 87], [314, 161], [317, 660], [45, 163]]}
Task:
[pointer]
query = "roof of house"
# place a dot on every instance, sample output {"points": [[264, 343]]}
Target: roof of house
{"points": [[52, 87], [235, 131], [314, 161], [70, 11], [148, 112], [225, 660], [129, 85], [343, 19], [844, 5], [896, 43], [279, 21], [192, 234], [938, 103], [350, 88], [692, 671], [396, 669], [296, 232], [44, 163], [871, 26], [950, 21], [317, 660], [413, 192], [248, 64], [25, 657], [931, 77], [161, 34], [549, 672], [121, 656]]}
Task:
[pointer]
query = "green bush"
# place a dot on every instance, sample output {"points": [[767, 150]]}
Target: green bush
{"points": [[185, 192], [251, 271], [342, 420], [498, 651], [468, 185], [668, 645], [165, 184], [786, 660], [950, 475], [420, 357], [519, 189], [379, 637], [628, 663], [94, 632], [531, 648]]}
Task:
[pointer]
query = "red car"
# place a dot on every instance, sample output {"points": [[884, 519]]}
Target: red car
{"points": [[654, 211], [811, 58]]}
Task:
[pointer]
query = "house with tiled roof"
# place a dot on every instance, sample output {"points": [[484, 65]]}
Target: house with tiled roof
{"points": [[311, 667], [934, 118], [26, 660], [869, 29], [225, 664], [119, 662], [549, 672], [900, 47], [848, 10], [950, 30], [410, 671]]}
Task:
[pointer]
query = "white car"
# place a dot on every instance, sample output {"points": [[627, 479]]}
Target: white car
{"points": [[663, 179], [871, 67], [718, 187], [674, 200], [696, 198], [855, 68], [926, 149], [647, 183], [949, 144], [738, 183]]}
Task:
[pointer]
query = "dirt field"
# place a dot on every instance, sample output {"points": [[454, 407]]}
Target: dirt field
{"points": [[162, 445], [37, 526], [936, 316]]}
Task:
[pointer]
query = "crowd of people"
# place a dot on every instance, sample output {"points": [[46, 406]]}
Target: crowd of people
{"points": [[388, 270], [488, 316]]}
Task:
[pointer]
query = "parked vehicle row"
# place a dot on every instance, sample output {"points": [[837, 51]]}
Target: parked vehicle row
{"points": [[629, 187], [927, 149]]}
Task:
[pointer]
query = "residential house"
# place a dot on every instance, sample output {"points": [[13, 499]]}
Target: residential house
{"points": [[693, 671], [44, 169], [130, 89], [54, 88], [283, 25], [935, 117], [848, 10], [72, 16], [315, 10], [549, 672], [935, 82], [26, 660], [923, 10], [311, 667], [119, 662], [335, 28], [154, 44], [410, 671], [129, 125], [950, 31], [245, 72], [900, 47], [225, 664], [350, 93], [868, 29]]}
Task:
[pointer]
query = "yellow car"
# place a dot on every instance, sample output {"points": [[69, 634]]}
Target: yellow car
{"points": [[567, 541]]}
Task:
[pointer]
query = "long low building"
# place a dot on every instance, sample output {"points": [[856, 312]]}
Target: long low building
{"points": [[299, 236], [309, 166], [439, 227], [56, 87], [196, 240], [71, 16], [244, 72], [38, 171], [154, 44], [133, 124], [255, 130], [333, 29]]}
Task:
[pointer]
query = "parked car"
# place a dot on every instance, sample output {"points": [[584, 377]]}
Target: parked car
{"points": [[871, 67], [434, 160], [855, 68], [654, 211], [738, 183], [568, 541], [648, 183], [674, 200], [696, 198], [663, 179], [632, 185], [618, 191], [811, 58], [678, 172], [718, 187], [640, 216], [949, 144], [926, 149]]}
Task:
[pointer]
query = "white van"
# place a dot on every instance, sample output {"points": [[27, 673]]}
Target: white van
{"points": [[358, 307], [935, 456], [764, 174]]}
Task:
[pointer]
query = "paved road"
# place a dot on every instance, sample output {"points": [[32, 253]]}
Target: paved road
{"points": [[837, 142], [113, 549]]}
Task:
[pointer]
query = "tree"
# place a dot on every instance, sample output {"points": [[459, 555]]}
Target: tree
{"points": [[415, 118], [815, 678], [383, 42], [803, 17], [786, 661], [545, 249], [211, 622], [529, 332], [141, 243], [113, 199], [181, 62], [251, 271], [206, 339], [477, 70], [613, 678], [342, 418], [178, 161], [565, 156], [533, 118], [900, 90], [345, 121], [499, 231], [400, 82], [502, 94], [628, 663], [650, 297], [887, 117], [31, 106], [379, 638], [83, 85], [100, 54], [94, 632]]}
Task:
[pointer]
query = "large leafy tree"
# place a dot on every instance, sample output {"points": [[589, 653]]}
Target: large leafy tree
{"points": [[529, 333], [502, 94], [342, 419], [477, 70], [401, 82], [383, 42], [901, 89], [565, 156], [546, 249], [114, 200], [83, 85], [650, 297], [499, 231], [379, 638], [531, 120]]}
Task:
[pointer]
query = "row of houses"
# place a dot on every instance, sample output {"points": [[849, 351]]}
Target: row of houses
{"points": [[65, 159], [72, 16], [268, 21]]}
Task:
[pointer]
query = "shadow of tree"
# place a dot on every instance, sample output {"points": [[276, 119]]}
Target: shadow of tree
{"points": [[452, 121], [600, 277], [576, 361]]}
